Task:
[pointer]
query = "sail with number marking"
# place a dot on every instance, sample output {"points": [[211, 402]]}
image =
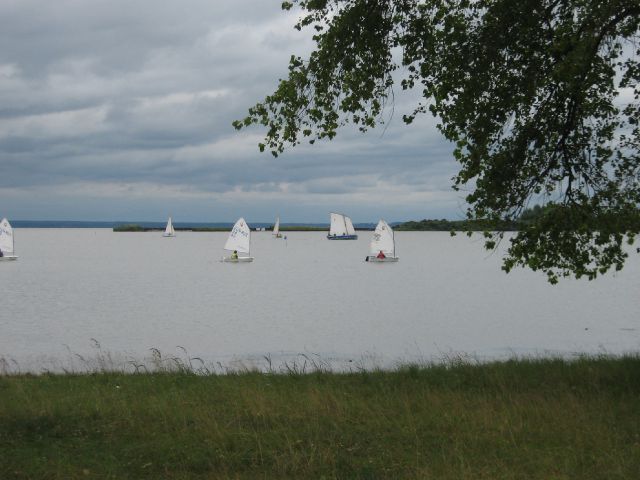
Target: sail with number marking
{"points": [[239, 238], [276, 227], [383, 240]]}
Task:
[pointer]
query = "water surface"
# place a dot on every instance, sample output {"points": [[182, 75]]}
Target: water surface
{"points": [[306, 295]]}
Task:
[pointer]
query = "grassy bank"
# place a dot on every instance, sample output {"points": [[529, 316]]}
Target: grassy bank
{"points": [[548, 419]]}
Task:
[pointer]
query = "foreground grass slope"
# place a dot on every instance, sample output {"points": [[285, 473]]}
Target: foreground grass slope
{"points": [[539, 419]]}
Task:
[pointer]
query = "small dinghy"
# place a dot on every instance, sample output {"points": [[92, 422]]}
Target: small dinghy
{"points": [[383, 244], [6, 241], [169, 231], [341, 228], [239, 243], [276, 229]]}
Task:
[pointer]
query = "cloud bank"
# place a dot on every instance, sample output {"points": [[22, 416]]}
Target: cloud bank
{"points": [[122, 110]]}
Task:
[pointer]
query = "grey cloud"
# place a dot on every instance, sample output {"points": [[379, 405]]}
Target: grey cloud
{"points": [[143, 93]]}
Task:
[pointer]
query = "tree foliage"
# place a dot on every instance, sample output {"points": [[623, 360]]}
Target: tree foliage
{"points": [[539, 97]]}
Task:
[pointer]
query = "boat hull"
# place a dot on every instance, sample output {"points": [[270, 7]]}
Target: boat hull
{"points": [[342, 237], [237, 260], [8, 258], [374, 259], [168, 235]]}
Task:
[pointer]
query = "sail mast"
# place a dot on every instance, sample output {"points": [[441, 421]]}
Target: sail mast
{"points": [[393, 236]]}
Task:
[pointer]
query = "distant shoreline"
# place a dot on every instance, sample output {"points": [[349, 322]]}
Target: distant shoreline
{"points": [[158, 225], [431, 225], [283, 228], [143, 226]]}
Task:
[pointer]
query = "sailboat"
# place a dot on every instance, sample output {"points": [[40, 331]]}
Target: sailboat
{"points": [[341, 228], [383, 241], [239, 242], [6, 241], [276, 229], [169, 231]]}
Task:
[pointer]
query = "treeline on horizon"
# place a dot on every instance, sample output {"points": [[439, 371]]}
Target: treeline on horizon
{"points": [[444, 225], [134, 227], [422, 225], [527, 217]]}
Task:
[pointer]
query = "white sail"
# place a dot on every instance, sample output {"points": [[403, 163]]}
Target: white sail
{"points": [[349, 226], [169, 231], [383, 240], [239, 238], [338, 225], [276, 227], [6, 237]]}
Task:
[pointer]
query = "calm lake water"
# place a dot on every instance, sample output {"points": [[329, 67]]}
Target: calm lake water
{"points": [[305, 297]]}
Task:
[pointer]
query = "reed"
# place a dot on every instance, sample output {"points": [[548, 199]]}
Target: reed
{"points": [[523, 418]]}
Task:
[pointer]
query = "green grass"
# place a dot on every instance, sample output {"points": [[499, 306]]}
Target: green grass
{"points": [[521, 419]]}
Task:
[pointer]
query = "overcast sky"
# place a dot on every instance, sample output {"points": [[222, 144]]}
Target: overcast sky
{"points": [[122, 110]]}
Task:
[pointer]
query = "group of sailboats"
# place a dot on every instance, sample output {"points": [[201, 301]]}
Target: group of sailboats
{"points": [[383, 244], [238, 243], [381, 249]]}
